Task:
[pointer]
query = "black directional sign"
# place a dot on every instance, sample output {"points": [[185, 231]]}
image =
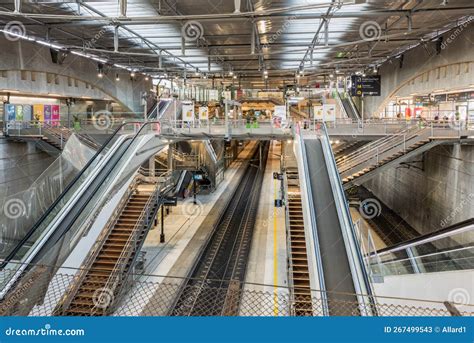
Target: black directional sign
{"points": [[365, 85]]}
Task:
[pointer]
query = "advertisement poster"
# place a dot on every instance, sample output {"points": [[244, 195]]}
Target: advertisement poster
{"points": [[55, 114], [19, 113], [47, 113], [329, 112], [279, 116], [203, 113], [27, 111], [10, 112], [280, 112], [188, 112], [318, 112], [38, 112]]}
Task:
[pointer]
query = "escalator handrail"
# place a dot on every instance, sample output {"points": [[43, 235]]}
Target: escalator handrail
{"points": [[428, 238], [362, 277], [152, 108], [319, 262], [133, 139], [39, 250], [22, 242]]}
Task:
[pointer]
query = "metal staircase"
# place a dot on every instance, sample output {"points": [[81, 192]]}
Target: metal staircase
{"points": [[103, 276], [365, 162], [296, 242]]}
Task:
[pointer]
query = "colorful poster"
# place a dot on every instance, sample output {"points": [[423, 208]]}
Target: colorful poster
{"points": [[27, 111], [19, 113], [10, 112], [329, 112], [188, 112], [55, 115], [280, 112], [318, 113], [47, 113], [38, 112], [203, 113]]}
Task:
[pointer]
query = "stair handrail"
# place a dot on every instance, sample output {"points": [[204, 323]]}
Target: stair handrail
{"points": [[378, 151], [388, 138], [131, 244], [99, 243], [346, 163]]}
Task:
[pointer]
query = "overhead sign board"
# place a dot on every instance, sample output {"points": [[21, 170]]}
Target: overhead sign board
{"points": [[365, 85]]}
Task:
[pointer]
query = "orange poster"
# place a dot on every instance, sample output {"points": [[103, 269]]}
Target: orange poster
{"points": [[38, 112]]}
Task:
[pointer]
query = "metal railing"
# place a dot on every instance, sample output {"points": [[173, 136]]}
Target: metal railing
{"points": [[372, 152], [92, 256], [149, 297], [115, 280], [448, 250]]}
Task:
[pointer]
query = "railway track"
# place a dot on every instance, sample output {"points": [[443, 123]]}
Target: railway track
{"points": [[214, 284]]}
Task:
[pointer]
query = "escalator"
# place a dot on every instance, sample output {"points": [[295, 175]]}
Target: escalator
{"points": [[349, 107], [54, 235], [341, 271]]}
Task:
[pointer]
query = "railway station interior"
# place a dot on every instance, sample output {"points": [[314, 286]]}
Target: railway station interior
{"points": [[237, 158]]}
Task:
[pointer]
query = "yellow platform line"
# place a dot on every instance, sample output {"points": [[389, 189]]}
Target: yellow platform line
{"points": [[275, 253]]}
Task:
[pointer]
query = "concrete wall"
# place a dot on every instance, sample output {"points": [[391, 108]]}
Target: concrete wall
{"points": [[454, 286], [76, 77], [439, 195], [424, 71]]}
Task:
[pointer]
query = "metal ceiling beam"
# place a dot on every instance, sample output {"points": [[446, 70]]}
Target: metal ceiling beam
{"points": [[92, 20], [152, 45]]}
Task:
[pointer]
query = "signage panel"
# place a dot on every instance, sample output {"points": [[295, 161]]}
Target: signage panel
{"points": [[366, 85]]}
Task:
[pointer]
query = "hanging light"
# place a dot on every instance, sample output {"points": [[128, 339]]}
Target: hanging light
{"points": [[146, 78], [117, 78], [132, 74]]}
